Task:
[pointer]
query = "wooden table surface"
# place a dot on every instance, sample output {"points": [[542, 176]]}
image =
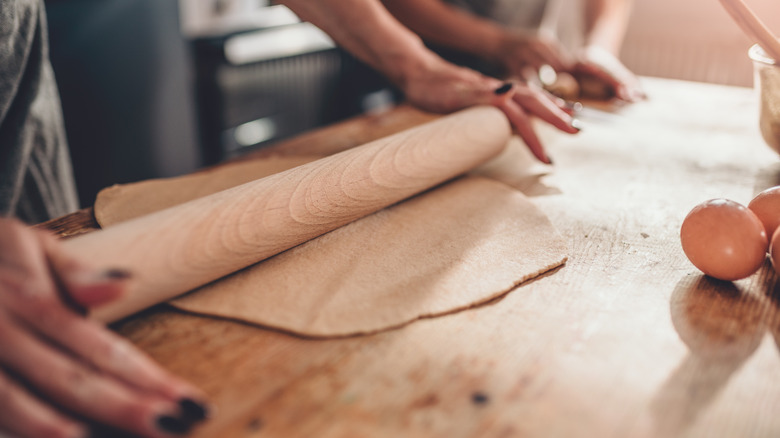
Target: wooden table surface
{"points": [[627, 339]]}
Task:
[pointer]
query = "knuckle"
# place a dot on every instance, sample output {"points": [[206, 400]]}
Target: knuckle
{"points": [[79, 382], [39, 308]]}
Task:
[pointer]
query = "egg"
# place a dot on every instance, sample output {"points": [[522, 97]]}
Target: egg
{"points": [[774, 249], [767, 207], [724, 239]]}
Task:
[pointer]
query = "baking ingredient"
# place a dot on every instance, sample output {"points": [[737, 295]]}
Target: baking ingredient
{"points": [[724, 239], [767, 207]]}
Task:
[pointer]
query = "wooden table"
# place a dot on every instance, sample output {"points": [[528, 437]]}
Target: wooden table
{"points": [[627, 339]]}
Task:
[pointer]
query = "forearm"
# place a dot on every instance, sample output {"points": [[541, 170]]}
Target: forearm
{"points": [[605, 23], [441, 23], [367, 30]]}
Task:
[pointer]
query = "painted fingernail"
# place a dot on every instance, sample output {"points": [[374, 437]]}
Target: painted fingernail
{"points": [[116, 274], [173, 425], [193, 410], [576, 124], [503, 89], [574, 106]]}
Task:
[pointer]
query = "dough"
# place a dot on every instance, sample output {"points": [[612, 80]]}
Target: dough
{"points": [[451, 248], [123, 202]]}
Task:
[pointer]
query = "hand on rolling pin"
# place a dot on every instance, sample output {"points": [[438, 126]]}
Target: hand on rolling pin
{"points": [[371, 33], [445, 87], [57, 366], [602, 66], [519, 50]]}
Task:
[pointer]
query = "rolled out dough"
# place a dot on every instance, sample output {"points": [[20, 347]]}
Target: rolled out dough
{"points": [[451, 248]]}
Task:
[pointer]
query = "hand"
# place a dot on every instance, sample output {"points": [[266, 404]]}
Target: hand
{"points": [[519, 51], [57, 367], [601, 65], [443, 87]]}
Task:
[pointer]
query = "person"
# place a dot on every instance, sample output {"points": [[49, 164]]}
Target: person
{"points": [[369, 31], [55, 365], [511, 35], [57, 368]]}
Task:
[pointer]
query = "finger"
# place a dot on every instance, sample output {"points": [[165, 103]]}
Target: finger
{"points": [[83, 286], [103, 349], [83, 391], [20, 250], [522, 124], [40, 307], [539, 104], [569, 108], [25, 416]]}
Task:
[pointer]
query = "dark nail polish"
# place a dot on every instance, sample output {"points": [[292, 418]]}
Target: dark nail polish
{"points": [[193, 410], [503, 89], [576, 124], [117, 274], [173, 425]]}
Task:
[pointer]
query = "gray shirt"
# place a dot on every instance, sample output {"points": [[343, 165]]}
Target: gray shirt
{"points": [[36, 180]]}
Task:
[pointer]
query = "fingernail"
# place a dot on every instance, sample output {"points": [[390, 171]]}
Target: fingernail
{"points": [[116, 274], [503, 89], [173, 425], [574, 106], [193, 410], [576, 124]]}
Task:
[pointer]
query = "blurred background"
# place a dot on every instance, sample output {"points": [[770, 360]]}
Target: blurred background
{"points": [[157, 88]]}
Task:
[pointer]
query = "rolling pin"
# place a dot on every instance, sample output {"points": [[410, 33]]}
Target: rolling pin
{"points": [[175, 250]]}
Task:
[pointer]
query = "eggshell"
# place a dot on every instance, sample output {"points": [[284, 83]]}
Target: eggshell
{"points": [[724, 239], [774, 249], [767, 207]]}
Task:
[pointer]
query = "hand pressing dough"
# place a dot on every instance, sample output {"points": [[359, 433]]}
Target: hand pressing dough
{"points": [[124, 202], [451, 248]]}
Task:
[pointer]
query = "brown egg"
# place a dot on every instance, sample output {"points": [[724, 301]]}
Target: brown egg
{"points": [[767, 207], [774, 249], [724, 239]]}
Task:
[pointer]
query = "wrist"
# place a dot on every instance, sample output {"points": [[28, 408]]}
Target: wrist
{"points": [[407, 66]]}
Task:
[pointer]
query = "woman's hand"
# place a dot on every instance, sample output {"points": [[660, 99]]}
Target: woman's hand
{"points": [[443, 87], [599, 64], [57, 368], [521, 50]]}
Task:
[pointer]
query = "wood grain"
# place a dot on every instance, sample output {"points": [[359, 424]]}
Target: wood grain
{"points": [[628, 340], [175, 250]]}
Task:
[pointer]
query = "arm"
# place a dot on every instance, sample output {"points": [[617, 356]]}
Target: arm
{"points": [[370, 32], [443, 24], [605, 26], [605, 23]]}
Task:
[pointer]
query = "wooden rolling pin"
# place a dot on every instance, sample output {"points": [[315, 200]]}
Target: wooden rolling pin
{"points": [[178, 249]]}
